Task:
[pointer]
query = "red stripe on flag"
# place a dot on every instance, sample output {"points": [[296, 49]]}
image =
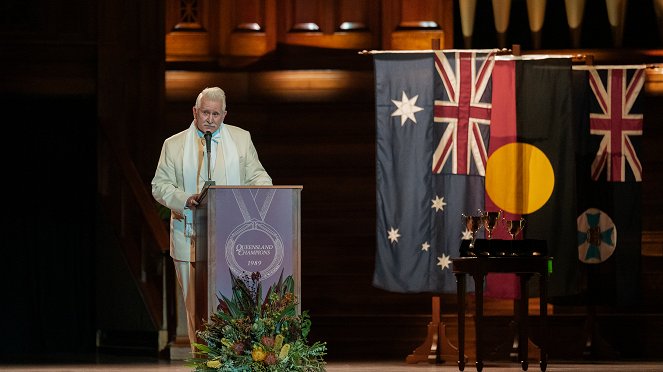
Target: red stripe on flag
{"points": [[445, 79], [502, 132], [442, 159]]}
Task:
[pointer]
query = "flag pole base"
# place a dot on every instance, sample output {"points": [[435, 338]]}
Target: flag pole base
{"points": [[436, 348]]}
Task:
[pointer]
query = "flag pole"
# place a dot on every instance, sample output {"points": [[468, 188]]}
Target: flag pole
{"points": [[437, 347]]}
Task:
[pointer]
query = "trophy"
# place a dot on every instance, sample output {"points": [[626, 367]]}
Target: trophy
{"points": [[513, 227], [473, 224], [489, 220]]}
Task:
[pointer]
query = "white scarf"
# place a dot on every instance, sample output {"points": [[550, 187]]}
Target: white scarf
{"points": [[226, 175]]}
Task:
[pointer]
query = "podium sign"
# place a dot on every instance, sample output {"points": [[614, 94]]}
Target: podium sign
{"points": [[243, 230]]}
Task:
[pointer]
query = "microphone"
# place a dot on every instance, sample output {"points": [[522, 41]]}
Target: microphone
{"points": [[208, 141], [208, 146]]}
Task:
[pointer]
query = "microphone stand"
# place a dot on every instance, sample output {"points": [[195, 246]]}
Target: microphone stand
{"points": [[208, 147]]}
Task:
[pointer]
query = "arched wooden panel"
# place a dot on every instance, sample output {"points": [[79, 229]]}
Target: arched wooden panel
{"points": [[339, 24], [247, 28], [188, 28], [413, 24]]}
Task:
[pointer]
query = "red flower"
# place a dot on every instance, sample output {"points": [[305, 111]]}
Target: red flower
{"points": [[238, 348], [267, 341]]}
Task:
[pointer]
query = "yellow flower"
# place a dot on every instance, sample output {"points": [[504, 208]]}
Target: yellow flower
{"points": [[284, 351], [258, 354], [278, 342], [213, 364]]}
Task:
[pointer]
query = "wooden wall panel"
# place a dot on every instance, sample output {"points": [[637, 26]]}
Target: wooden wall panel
{"points": [[305, 15], [239, 32], [416, 13], [352, 11], [361, 17], [413, 24], [248, 14], [247, 28], [188, 30], [330, 23]]}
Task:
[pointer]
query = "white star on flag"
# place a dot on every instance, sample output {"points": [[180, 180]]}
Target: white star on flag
{"points": [[443, 262], [406, 108], [394, 235], [425, 246], [467, 234], [438, 203]]}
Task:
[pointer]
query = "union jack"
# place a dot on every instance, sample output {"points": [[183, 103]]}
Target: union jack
{"points": [[463, 110], [616, 90]]}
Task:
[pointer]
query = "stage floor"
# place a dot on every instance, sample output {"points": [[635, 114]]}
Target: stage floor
{"points": [[146, 365]]}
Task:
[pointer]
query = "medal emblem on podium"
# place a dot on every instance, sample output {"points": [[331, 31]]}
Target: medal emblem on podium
{"points": [[254, 245]]}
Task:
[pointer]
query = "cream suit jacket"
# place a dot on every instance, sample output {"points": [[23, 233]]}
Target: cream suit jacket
{"points": [[168, 183]]}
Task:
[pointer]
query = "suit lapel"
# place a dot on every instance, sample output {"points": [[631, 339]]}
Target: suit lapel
{"points": [[219, 172]]}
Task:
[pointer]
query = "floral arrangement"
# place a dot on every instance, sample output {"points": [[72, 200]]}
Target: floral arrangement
{"points": [[249, 333]]}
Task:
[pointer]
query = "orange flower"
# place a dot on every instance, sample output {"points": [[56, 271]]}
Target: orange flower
{"points": [[258, 354]]}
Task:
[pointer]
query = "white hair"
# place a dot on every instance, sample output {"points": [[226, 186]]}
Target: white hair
{"points": [[215, 94]]}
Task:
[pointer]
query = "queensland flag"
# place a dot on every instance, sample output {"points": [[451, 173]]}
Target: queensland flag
{"points": [[609, 173], [433, 116]]}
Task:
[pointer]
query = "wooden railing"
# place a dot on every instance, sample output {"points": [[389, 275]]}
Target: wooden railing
{"points": [[142, 233]]}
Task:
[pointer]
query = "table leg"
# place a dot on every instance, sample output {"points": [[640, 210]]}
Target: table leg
{"points": [[543, 305], [460, 288], [523, 325], [478, 291]]}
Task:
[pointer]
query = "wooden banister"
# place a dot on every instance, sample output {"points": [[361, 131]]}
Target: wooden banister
{"points": [[143, 235]]}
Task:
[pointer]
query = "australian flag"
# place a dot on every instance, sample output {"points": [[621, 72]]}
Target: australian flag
{"points": [[432, 117]]}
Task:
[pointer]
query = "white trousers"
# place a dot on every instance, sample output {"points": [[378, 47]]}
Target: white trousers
{"points": [[186, 277]]}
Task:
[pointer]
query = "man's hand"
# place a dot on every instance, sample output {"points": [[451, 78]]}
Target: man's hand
{"points": [[192, 201]]}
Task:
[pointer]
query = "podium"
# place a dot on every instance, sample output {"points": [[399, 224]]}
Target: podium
{"points": [[243, 230]]}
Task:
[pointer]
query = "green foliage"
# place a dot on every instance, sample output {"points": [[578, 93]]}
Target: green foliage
{"points": [[251, 333]]}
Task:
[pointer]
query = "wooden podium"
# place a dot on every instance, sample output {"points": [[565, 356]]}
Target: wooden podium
{"points": [[245, 229]]}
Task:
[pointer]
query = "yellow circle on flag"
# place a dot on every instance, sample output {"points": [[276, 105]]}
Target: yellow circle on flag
{"points": [[519, 178]]}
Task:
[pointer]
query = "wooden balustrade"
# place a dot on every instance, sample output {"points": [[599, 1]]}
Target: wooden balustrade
{"points": [[142, 233]]}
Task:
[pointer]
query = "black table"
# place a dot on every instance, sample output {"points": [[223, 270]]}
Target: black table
{"points": [[524, 266]]}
